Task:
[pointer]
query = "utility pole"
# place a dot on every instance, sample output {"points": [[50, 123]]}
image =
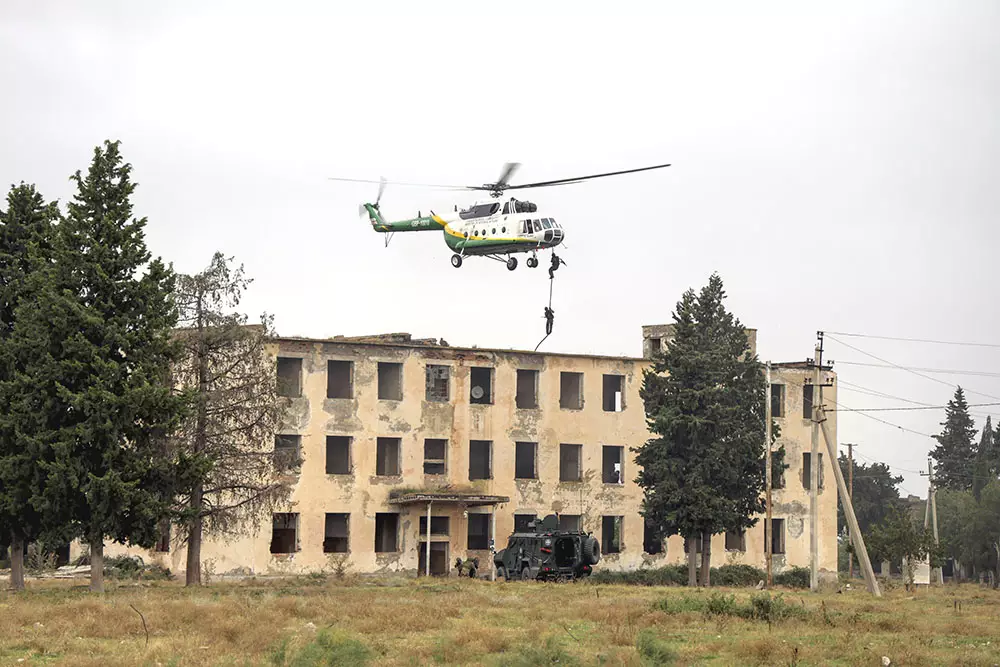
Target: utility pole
{"points": [[817, 403], [850, 494], [930, 515], [852, 521], [767, 478]]}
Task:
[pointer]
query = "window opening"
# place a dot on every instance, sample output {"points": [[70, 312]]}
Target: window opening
{"points": [[387, 461], [437, 383], [286, 452], [339, 383], [611, 533], [479, 531], [386, 532], [481, 385], [440, 525], [570, 523], [480, 459], [570, 463], [284, 529], [650, 544], [807, 470], [524, 460], [527, 389], [777, 400], [336, 534], [614, 400], [612, 464], [736, 540], [390, 381], [521, 522], [435, 456], [338, 455], [289, 377], [570, 390]]}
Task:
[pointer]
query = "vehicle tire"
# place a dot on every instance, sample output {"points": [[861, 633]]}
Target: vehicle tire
{"points": [[525, 573], [456, 261], [502, 573], [512, 263], [532, 262], [591, 551]]}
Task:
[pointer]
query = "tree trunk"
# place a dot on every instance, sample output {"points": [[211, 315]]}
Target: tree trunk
{"points": [[706, 558], [16, 561], [996, 579], [692, 563], [97, 564], [192, 577]]}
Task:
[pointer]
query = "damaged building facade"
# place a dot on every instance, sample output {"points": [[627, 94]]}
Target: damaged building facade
{"points": [[404, 449]]}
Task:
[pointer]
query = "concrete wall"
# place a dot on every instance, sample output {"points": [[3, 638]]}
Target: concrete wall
{"points": [[362, 494]]}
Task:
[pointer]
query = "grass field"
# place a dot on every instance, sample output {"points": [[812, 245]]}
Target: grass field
{"points": [[316, 621]]}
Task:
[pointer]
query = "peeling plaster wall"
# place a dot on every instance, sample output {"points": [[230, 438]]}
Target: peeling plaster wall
{"points": [[366, 418]]}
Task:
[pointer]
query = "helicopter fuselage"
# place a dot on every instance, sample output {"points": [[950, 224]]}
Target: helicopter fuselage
{"points": [[483, 229]]}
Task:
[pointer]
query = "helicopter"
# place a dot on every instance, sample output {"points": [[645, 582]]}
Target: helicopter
{"points": [[493, 229]]}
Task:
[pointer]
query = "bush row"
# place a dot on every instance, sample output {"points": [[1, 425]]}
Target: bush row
{"points": [[727, 575]]}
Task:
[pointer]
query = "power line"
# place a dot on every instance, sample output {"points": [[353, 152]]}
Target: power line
{"points": [[908, 370], [875, 393], [916, 407], [990, 374], [912, 340]]}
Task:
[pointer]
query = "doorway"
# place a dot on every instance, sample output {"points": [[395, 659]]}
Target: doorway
{"points": [[439, 559]]}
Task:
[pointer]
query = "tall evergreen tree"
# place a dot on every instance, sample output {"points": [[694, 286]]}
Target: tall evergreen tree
{"points": [[955, 453], [97, 348], [26, 228], [703, 472], [227, 444], [987, 467]]}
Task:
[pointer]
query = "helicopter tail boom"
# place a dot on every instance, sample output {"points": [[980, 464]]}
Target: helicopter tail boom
{"points": [[421, 223]]}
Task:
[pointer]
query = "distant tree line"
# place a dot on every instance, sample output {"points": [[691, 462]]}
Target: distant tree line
{"points": [[130, 397]]}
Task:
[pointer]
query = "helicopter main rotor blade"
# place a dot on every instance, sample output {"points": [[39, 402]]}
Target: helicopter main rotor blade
{"points": [[508, 171], [382, 182], [578, 179]]}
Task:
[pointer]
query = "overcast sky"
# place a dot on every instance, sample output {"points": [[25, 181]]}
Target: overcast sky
{"points": [[837, 167]]}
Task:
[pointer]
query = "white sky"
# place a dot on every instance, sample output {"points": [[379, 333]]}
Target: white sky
{"points": [[837, 167]]}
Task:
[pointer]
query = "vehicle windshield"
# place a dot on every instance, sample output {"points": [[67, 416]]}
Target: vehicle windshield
{"points": [[546, 224]]}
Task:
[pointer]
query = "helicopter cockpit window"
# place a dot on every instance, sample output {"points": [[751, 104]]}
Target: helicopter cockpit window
{"points": [[546, 224]]}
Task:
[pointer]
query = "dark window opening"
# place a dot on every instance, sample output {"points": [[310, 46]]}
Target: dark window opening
{"points": [[481, 385], [284, 533], [612, 471], [571, 391], [289, 377], [435, 453], [611, 534], [479, 531], [336, 534], [527, 389], [338, 455], [570, 523], [163, 541], [440, 525], [439, 559], [736, 540], [777, 400], [807, 401], [807, 470], [570, 463], [524, 460], [521, 522], [287, 450], [390, 381], [655, 345], [614, 393], [777, 536], [650, 544], [436, 383], [386, 532], [480, 459], [387, 461], [339, 379]]}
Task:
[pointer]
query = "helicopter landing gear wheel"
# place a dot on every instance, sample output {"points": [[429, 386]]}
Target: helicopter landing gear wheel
{"points": [[532, 262], [456, 261], [512, 263]]}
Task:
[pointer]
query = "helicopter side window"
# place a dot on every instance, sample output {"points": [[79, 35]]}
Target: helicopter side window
{"points": [[546, 224]]}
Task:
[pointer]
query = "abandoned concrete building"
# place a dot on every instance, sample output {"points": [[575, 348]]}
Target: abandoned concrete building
{"points": [[398, 443]]}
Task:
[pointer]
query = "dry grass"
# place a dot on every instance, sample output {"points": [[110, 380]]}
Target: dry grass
{"points": [[459, 622]]}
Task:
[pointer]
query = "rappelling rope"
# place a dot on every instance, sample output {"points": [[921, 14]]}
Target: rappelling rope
{"points": [[549, 313]]}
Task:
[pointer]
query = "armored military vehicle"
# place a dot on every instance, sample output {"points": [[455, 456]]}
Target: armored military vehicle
{"points": [[543, 552]]}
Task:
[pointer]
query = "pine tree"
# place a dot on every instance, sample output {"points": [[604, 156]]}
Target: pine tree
{"points": [[955, 453], [25, 235], [703, 472], [227, 443], [986, 469], [97, 347]]}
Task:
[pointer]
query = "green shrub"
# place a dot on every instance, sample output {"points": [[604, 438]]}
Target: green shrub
{"points": [[327, 648], [533, 655], [653, 650], [796, 577], [719, 604], [737, 575], [133, 567], [669, 575], [679, 604]]}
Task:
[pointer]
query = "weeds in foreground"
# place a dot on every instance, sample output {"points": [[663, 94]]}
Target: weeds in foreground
{"points": [[550, 652], [760, 607], [327, 648], [653, 650]]}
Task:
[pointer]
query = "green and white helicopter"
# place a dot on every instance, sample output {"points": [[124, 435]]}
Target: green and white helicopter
{"points": [[491, 229]]}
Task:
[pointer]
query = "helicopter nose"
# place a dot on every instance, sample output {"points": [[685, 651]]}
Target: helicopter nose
{"points": [[554, 236]]}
